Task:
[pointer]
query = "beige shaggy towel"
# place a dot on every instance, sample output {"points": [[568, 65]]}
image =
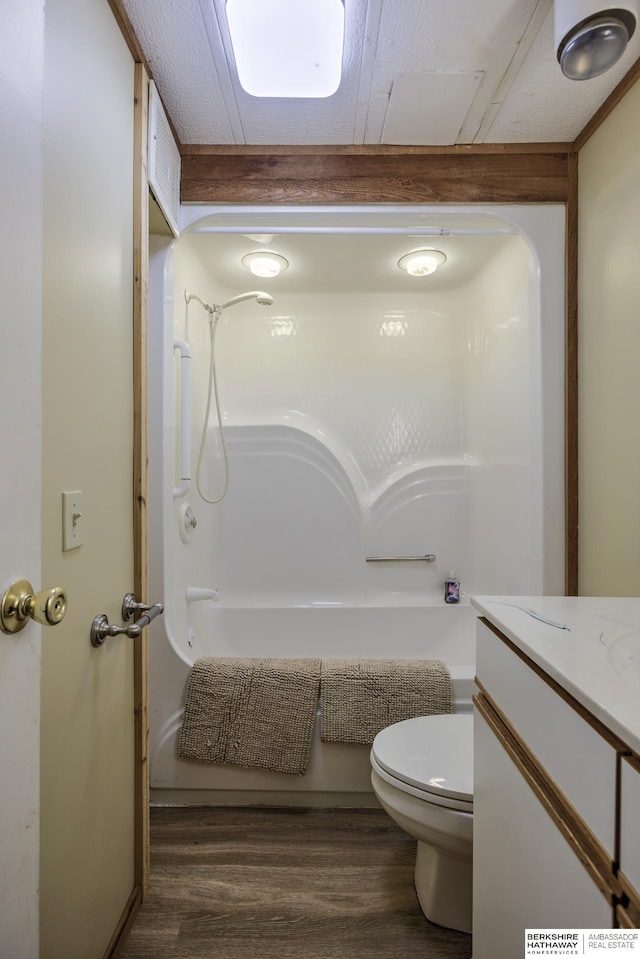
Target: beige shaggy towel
{"points": [[251, 712], [359, 697]]}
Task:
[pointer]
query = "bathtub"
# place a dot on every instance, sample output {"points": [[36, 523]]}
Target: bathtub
{"points": [[347, 440], [338, 774]]}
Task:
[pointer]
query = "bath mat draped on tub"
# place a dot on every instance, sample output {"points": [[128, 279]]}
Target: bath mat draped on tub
{"points": [[251, 712], [359, 697]]}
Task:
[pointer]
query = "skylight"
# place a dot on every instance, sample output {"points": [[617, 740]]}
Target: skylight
{"points": [[287, 48]]}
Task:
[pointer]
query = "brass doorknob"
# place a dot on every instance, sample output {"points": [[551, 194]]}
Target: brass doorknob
{"points": [[20, 604]]}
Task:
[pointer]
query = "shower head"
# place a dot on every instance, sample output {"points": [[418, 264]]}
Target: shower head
{"points": [[264, 299], [215, 310]]}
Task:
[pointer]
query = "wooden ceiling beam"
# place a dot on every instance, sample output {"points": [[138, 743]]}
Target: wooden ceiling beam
{"points": [[506, 173]]}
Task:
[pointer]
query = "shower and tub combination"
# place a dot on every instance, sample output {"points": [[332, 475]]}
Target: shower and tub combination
{"points": [[366, 415]]}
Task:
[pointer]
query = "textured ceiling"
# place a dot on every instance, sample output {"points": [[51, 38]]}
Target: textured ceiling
{"points": [[414, 71]]}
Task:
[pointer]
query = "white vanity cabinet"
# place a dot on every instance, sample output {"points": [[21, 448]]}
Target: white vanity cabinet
{"points": [[525, 875], [556, 804]]}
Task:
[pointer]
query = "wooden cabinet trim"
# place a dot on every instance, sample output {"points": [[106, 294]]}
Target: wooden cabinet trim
{"points": [[624, 920], [634, 761], [631, 893], [575, 831]]}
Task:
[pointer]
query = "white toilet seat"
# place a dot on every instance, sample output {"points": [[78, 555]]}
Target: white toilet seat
{"points": [[422, 794], [429, 757]]}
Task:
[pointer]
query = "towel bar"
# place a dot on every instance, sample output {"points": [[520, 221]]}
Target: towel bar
{"points": [[427, 558]]}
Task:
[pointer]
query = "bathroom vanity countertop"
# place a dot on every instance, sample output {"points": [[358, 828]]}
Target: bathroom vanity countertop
{"points": [[589, 645]]}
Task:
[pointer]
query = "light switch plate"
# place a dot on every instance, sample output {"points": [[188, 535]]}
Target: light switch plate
{"points": [[72, 520]]}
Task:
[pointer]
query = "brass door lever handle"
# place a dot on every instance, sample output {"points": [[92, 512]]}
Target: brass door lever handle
{"points": [[20, 604]]}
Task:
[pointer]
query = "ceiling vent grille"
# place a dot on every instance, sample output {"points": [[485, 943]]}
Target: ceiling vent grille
{"points": [[164, 161]]}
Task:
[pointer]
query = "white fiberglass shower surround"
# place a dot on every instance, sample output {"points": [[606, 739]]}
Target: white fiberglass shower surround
{"points": [[366, 413]]}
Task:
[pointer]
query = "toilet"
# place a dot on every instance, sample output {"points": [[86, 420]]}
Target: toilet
{"points": [[422, 774]]}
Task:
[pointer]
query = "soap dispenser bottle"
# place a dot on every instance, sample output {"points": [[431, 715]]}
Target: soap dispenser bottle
{"points": [[452, 589]]}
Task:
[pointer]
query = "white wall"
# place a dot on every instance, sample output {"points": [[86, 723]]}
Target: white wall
{"points": [[502, 427], [380, 373], [21, 55], [609, 347]]}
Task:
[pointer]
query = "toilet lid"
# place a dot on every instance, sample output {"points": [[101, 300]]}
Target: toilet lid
{"points": [[432, 753]]}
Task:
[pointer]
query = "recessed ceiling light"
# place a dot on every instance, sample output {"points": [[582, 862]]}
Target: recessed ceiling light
{"points": [[421, 262], [287, 48], [265, 263]]}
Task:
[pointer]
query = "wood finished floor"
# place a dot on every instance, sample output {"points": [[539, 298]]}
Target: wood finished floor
{"points": [[254, 883]]}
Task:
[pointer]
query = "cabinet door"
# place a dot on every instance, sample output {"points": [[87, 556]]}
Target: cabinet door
{"points": [[525, 875], [578, 759], [630, 828]]}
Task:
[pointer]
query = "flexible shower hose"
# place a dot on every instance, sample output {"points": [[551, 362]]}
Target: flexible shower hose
{"points": [[213, 391]]}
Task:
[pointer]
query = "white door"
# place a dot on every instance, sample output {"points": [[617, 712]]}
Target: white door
{"points": [[21, 52], [87, 816], [67, 867]]}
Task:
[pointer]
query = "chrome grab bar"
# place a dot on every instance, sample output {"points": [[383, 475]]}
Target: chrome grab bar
{"points": [[427, 558], [101, 628]]}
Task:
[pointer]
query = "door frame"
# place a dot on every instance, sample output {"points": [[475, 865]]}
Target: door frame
{"points": [[140, 457], [368, 194], [142, 76], [139, 372], [410, 170], [454, 159]]}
